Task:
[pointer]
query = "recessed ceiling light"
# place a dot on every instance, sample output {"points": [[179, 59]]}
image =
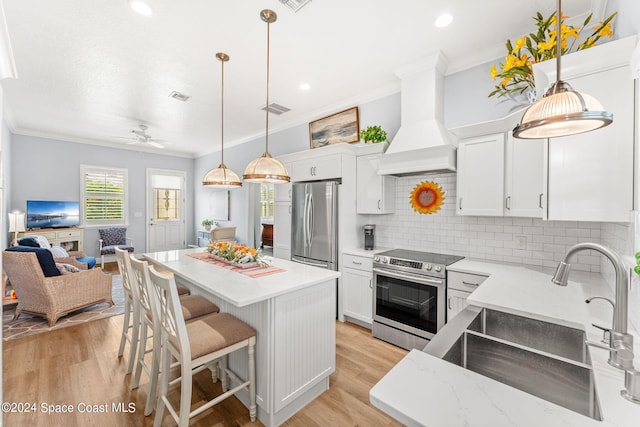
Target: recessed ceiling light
{"points": [[304, 86], [443, 20], [141, 7]]}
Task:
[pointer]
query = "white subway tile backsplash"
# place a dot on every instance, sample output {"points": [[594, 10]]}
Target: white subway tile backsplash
{"points": [[491, 238]]}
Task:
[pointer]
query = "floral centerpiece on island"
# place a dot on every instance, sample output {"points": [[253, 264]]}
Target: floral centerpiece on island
{"points": [[236, 254], [515, 75]]}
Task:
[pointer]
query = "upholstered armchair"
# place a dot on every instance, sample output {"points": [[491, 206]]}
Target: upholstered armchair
{"points": [[43, 291], [223, 234], [112, 238]]}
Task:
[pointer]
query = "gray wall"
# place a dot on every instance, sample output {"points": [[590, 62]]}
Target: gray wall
{"points": [[384, 112], [48, 169]]}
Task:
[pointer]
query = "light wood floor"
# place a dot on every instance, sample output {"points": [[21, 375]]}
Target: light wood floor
{"points": [[79, 364]]}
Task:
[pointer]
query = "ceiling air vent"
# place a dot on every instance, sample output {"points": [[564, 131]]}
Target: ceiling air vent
{"points": [[295, 5], [276, 109], [179, 96]]}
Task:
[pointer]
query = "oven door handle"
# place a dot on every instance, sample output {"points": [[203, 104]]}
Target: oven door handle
{"points": [[409, 277]]}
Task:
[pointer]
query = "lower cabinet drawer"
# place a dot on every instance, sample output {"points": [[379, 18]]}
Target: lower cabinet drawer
{"points": [[357, 262], [71, 233], [464, 281]]}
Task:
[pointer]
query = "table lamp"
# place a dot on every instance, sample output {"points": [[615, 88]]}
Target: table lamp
{"points": [[16, 225]]}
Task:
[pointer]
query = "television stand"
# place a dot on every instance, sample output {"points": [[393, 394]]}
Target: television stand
{"points": [[71, 239]]}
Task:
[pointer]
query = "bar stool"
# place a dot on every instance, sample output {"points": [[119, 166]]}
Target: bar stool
{"points": [[131, 322], [195, 345], [192, 306]]}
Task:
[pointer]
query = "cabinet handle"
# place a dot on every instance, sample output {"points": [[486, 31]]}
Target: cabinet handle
{"points": [[370, 284], [450, 308], [508, 202], [470, 283], [460, 204], [290, 193], [356, 263], [540, 200], [379, 204]]}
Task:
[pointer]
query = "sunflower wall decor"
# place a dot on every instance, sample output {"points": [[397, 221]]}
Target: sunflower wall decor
{"points": [[427, 197]]}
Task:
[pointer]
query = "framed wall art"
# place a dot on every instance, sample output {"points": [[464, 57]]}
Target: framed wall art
{"points": [[336, 128]]}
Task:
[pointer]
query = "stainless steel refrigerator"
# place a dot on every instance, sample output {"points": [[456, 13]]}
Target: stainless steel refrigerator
{"points": [[314, 227]]}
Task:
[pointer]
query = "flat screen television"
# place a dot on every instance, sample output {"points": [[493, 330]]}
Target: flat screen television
{"points": [[52, 214]]}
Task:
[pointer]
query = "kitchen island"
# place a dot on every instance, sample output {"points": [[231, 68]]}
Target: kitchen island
{"points": [[293, 311], [425, 390]]}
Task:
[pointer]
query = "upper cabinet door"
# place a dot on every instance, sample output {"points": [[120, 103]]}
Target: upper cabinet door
{"points": [[524, 177], [376, 194], [481, 176], [590, 175]]}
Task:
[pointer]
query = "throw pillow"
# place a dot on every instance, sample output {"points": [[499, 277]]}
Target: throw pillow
{"points": [[58, 252], [29, 241], [42, 241], [67, 268]]}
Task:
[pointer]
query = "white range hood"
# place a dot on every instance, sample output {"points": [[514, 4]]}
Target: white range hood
{"points": [[422, 144]]}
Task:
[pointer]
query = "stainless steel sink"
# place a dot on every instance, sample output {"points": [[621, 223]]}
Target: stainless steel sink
{"points": [[543, 359]]}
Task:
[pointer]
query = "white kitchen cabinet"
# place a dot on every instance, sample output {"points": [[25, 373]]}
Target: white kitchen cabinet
{"points": [[499, 175], [590, 175], [282, 192], [318, 168], [357, 293], [376, 193], [524, 177], [481, 176], [459, 287], [456, 302], [282, 230]]}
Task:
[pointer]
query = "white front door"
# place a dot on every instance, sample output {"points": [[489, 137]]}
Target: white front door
{"points": [[166, 205]]}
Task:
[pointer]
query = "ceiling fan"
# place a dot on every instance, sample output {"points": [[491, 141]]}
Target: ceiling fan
{"points": [[142, 137]]}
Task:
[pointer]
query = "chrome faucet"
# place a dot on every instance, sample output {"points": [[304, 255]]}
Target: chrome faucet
{"points": [[621, 342]]}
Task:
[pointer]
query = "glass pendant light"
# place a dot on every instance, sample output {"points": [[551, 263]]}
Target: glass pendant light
{"points": [[562, 111], [222, 177], [266, 169]]}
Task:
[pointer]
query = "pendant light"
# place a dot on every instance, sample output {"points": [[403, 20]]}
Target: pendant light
{"points": [[562, 111], [266, 169], [222, 177]]}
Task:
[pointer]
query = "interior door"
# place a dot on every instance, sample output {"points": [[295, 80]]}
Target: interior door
{"points": [[166, 205]]}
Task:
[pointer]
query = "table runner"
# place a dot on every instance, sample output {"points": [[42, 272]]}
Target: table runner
{"points": [[253, 272]]}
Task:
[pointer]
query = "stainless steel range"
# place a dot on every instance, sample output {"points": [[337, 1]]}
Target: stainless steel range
{"points": [[409, 296]]}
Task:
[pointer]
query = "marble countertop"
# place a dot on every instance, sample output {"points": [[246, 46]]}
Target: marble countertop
{"points": [[237, 288], [425, 390], [363, 252]]}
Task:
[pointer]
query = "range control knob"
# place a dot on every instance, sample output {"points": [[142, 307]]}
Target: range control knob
{"points": [[438, 268], [376, 258], [428, 267], [384, 260]]}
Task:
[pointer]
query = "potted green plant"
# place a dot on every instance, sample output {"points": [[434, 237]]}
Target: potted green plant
{"points": [[373, 134], [208, 223]]}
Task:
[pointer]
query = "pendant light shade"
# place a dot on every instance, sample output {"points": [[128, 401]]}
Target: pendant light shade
{"points": [[562, 111], [222, 177], [267, 169]]}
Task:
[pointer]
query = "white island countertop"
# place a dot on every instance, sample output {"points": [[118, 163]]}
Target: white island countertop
{"points": [[237, 288], [425, 390]]}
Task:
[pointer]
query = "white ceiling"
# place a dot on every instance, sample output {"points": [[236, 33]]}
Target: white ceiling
{"points": [[93, 70]]}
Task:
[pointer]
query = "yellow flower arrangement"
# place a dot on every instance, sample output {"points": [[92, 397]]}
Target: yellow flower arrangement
{"points": [[515, 74], [236, 254], [427, 197]]}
